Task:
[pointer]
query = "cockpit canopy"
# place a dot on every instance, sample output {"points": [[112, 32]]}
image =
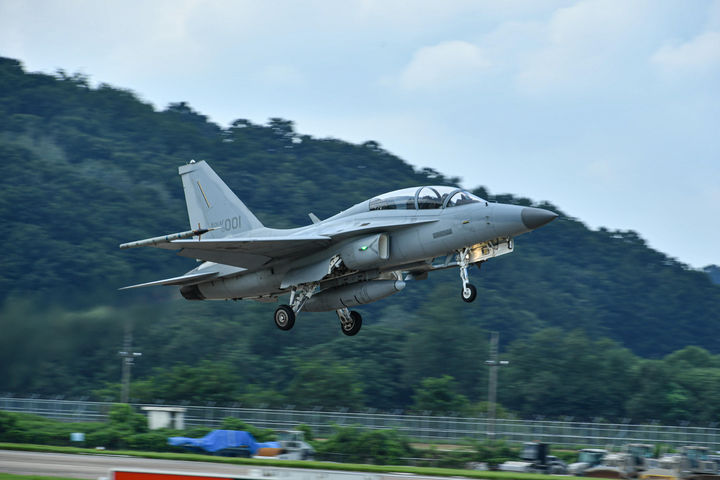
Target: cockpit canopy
{"points": [[423, 198]]}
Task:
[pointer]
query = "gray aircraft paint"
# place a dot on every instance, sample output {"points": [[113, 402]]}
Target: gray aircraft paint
{"points": [[225, 213], [357, 256]]}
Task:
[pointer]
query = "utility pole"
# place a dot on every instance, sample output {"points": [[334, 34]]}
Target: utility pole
{"points": [[493, 363], [128, 356]]}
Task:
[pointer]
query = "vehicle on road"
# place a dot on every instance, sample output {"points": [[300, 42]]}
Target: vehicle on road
{"points": [[690, 463], [535, 458], [587, 458]]}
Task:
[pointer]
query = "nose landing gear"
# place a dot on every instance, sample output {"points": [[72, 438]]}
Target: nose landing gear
{"points": [[469, 292]]}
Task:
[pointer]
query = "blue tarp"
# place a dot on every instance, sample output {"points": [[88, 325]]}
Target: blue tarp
{"points": [[221, 439]]}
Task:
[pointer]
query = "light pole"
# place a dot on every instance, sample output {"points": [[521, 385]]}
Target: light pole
{"points": [[128, 356], [493, 363]]}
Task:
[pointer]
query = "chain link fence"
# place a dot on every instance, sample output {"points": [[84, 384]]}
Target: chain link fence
{"points": [[429, 429]]}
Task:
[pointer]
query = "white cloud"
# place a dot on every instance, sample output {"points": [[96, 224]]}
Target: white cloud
{"points": [[565, 91], [445, 65], [585, 46], [700, 54]]}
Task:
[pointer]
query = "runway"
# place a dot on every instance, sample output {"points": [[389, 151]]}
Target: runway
{"points": [[93, 466], [96, 466]]}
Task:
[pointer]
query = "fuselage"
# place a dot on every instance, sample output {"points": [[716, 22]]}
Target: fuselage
{"points": [[361, 255], [423, 234]]}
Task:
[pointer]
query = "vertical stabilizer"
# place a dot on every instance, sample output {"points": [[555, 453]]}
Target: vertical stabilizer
{"points": [[211, 203]]}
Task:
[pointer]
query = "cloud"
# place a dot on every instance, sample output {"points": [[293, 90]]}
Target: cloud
{"points": [[585, 45], [700, 54], [443, 66], [585, 97]]}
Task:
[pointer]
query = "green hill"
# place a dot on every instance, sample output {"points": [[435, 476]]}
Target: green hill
{"points": [[714, 272], [85, 169]]}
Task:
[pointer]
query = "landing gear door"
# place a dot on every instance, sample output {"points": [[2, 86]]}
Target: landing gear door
{"points": [[493, 248]]}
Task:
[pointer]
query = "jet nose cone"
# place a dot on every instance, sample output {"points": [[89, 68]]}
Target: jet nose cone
{"points": [[534, 218]]}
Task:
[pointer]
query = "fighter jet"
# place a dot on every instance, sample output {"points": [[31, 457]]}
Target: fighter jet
{"points": [[365, 253]]}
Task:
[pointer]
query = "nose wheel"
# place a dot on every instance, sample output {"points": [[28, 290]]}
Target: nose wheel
{"points": [[469, 292]]}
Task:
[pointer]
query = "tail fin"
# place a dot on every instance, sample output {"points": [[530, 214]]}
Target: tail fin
{"points": [[211, 203]]}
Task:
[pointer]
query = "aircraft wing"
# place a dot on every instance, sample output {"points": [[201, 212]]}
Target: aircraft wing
{"points": [[253, 252], [181, 280], [249, 252]]}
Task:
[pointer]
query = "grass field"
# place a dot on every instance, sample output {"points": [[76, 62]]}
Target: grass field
{"points": [[10, 476], [430, 471]]}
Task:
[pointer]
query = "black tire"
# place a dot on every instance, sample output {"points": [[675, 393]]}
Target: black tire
{"points": [[469, 294], [557, 470], [284, 317], [354, 327]]}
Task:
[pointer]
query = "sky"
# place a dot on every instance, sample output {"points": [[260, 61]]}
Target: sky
{"points": [[609, 110]]}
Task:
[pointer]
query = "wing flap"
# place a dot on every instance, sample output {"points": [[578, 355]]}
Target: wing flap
{"points": [[181, 280], [226, 257]]}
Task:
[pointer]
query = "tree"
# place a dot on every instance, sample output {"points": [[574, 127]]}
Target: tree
{"points": [[205, 382], [384, 447], [122, 417], [439, 396], [328, 384], [86, 168], [554, 373]]}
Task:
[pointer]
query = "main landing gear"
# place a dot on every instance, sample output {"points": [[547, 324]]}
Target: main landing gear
{"points": [[284, 317], [285, 314], [469, 292], [350, 322]]}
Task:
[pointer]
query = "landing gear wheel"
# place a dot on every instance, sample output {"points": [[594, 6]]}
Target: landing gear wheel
{"points": [[284, 317], [469, 293], [353, 326]]}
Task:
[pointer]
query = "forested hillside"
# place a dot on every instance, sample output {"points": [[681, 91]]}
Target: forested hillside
{"points": [[583, 315], [714, 272]]}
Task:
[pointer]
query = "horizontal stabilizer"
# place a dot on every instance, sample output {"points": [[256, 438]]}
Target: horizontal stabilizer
{"points": [[181, 280]]}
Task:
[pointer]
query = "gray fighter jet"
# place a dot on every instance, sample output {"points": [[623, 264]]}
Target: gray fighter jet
{"points": [[362, 254]]}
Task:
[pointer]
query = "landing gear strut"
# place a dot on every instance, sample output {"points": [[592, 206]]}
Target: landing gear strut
{"points": [[350, 322], [285, 314], [469, 292]]}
